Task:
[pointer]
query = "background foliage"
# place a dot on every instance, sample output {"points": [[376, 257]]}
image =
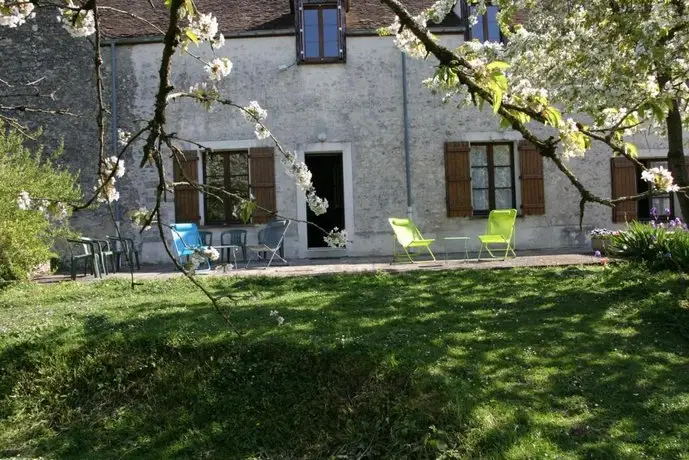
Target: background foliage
{"points": [[26, 236]]}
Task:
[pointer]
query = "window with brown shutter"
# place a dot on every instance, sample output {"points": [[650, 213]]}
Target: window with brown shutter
{"points": [[186, 196], [492, 177], [320, 28], [263, 183], [624, 183], [457, 179], [243, 173], [531, 179]]}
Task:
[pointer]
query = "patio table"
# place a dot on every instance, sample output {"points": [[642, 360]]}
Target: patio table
{"points": [[466, 239]]}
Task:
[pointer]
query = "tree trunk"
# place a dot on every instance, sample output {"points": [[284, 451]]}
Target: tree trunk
{"points": [[675, 156]]}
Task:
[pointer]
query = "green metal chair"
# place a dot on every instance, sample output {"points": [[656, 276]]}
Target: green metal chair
{"points": [[408, 236], [500, 231]]}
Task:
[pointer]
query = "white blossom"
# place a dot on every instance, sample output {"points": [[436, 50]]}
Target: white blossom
{"points": [[573, 142], [209, 252], [204, 26], [661, 178], [108, 193], [112, 163], [24, 201], [254, 112], [123, 137], [79, 23], [140, 218], [218, 68], [317, 204], [261, 131], [279, 319], [218, 42], [336, 238], [14, 13]]}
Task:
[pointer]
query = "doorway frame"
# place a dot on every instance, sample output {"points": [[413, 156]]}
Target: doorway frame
{"points": [[345, 148]]}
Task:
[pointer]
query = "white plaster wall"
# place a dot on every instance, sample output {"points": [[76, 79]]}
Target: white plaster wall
{"points": [[360, 103]]}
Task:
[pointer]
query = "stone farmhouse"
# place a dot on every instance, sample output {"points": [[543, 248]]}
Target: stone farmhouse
{"points": [[354, 109]]}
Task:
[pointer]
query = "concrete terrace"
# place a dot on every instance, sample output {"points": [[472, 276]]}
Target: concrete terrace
{"points": [[307, 267]]}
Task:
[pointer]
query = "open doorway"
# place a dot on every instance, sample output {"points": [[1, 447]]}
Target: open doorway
{"points": [[327, 178]]}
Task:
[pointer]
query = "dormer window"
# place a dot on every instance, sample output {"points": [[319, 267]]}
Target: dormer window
{"points": [[320, 31]]}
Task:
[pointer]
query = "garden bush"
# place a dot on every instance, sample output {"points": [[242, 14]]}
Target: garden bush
{"points": [[33, 213], [660, 246]]}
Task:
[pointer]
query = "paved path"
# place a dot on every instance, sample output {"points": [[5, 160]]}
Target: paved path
{"points": [[300, 267]]}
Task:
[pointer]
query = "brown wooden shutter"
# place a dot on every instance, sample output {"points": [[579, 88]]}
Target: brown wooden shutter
{"points": [[623, 180], [531, 179], [458, 179], [262, 183], [186, 197]]}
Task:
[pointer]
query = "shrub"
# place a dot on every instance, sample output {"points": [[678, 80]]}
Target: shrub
{"points": [[657, 246], [33, 190]]}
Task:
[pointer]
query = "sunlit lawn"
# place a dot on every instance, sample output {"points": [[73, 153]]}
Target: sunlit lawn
{"points": [[557, 363]]}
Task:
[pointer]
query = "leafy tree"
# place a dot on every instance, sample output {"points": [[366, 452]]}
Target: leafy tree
{"points": [[34, 197], [615, 68]]}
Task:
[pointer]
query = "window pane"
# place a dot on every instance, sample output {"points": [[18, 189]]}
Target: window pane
{"points": [[480, 200], [311, 49], [329, 16], [479, 177], [501, 155], [215, 165], [661, 203], [331, 49], [215, 210], [503, 176], [240, 186], [311, 18], [477, 29], [479, 155], [239, 163], [503, 198], [493, 27]]}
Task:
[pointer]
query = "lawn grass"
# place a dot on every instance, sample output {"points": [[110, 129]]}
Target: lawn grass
{"points": [[524, 363]]}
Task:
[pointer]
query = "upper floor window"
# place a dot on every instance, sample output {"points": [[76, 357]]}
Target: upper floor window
{"points": [[486, 28], [320, 31]]}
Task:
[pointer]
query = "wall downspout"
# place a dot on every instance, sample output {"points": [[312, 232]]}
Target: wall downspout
{"points": [[113, 109], [407, 154]]}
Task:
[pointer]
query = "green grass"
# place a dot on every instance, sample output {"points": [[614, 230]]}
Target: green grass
{"points": [[551, 363]]}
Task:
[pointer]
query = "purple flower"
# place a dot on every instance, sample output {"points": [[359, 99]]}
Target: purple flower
{"points": [[678, 221], [667, 254], [672, 224], [653, 223], [597, 253], [685, 227], [667, 211], [654, 212]]}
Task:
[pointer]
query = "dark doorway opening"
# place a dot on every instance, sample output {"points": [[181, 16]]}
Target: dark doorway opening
{"points": [[326, 171]]}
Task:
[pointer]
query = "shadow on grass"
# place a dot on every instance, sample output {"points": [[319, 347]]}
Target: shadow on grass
{"points": [[522, 363]]}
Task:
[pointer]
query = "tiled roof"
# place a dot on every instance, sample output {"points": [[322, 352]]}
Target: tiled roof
{"points": [[236, 16]]}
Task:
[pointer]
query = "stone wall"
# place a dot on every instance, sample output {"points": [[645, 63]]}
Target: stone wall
{"points": [[360, 103]]}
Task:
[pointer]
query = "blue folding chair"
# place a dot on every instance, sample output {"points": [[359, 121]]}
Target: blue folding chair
{"points": [[187, 239]]}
